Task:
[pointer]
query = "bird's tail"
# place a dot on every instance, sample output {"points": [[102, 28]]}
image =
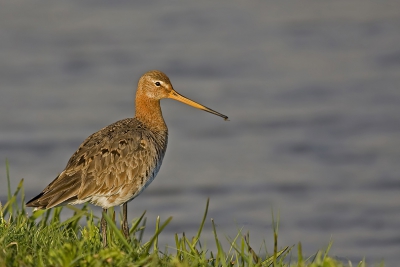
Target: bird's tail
{"points": [[59, 192]]}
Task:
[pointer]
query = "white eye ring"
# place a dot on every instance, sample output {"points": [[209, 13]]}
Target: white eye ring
{"points": [[157, 84]]}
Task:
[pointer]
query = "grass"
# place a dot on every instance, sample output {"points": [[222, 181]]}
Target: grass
{"points": [[42, 239]]}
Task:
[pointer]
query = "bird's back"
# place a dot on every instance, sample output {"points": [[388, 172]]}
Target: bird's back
{"points": [[111, 167]]}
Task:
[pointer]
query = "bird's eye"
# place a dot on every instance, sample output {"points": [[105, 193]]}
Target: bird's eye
{"points": [[157, 83]]}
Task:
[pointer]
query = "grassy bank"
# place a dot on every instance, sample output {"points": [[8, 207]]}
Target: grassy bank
{"points": [[42, 239]]}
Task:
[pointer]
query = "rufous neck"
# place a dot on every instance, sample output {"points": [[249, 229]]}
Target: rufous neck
{"points": [[148, 111]]}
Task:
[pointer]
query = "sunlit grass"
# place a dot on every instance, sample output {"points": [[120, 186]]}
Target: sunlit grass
{"points": [[42, 239]]}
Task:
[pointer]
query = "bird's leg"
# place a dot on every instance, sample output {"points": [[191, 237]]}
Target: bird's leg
{"points": [[104, 228], [125, 227]]}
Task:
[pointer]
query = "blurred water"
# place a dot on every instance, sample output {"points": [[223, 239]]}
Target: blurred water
{"points": [[311, 89]]}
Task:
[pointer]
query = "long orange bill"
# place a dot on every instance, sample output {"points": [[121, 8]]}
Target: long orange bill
{"points": [[181, 98]]}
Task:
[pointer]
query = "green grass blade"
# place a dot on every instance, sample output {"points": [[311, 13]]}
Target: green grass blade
{"points": [[142, 228], [136, 224], [220, 258], [8, 207], [300, 254], [8, 179], [75, 218], [270, 260], [148, 244], [202, 223], [155, 245]]}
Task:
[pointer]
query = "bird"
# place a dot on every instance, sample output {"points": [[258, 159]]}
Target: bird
{"points": [[115, 164]]}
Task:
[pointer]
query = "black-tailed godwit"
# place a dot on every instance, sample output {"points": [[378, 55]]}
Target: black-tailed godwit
{"points": [[114, 165]]}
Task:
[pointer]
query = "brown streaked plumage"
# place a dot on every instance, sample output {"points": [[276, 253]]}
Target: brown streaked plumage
{"points": [[114, 165]]}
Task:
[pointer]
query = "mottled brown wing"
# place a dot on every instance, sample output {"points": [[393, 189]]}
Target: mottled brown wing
{"points": [[111, 166]]}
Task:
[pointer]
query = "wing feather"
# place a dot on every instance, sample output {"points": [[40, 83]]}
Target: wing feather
{"points": [[113, 164]]}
